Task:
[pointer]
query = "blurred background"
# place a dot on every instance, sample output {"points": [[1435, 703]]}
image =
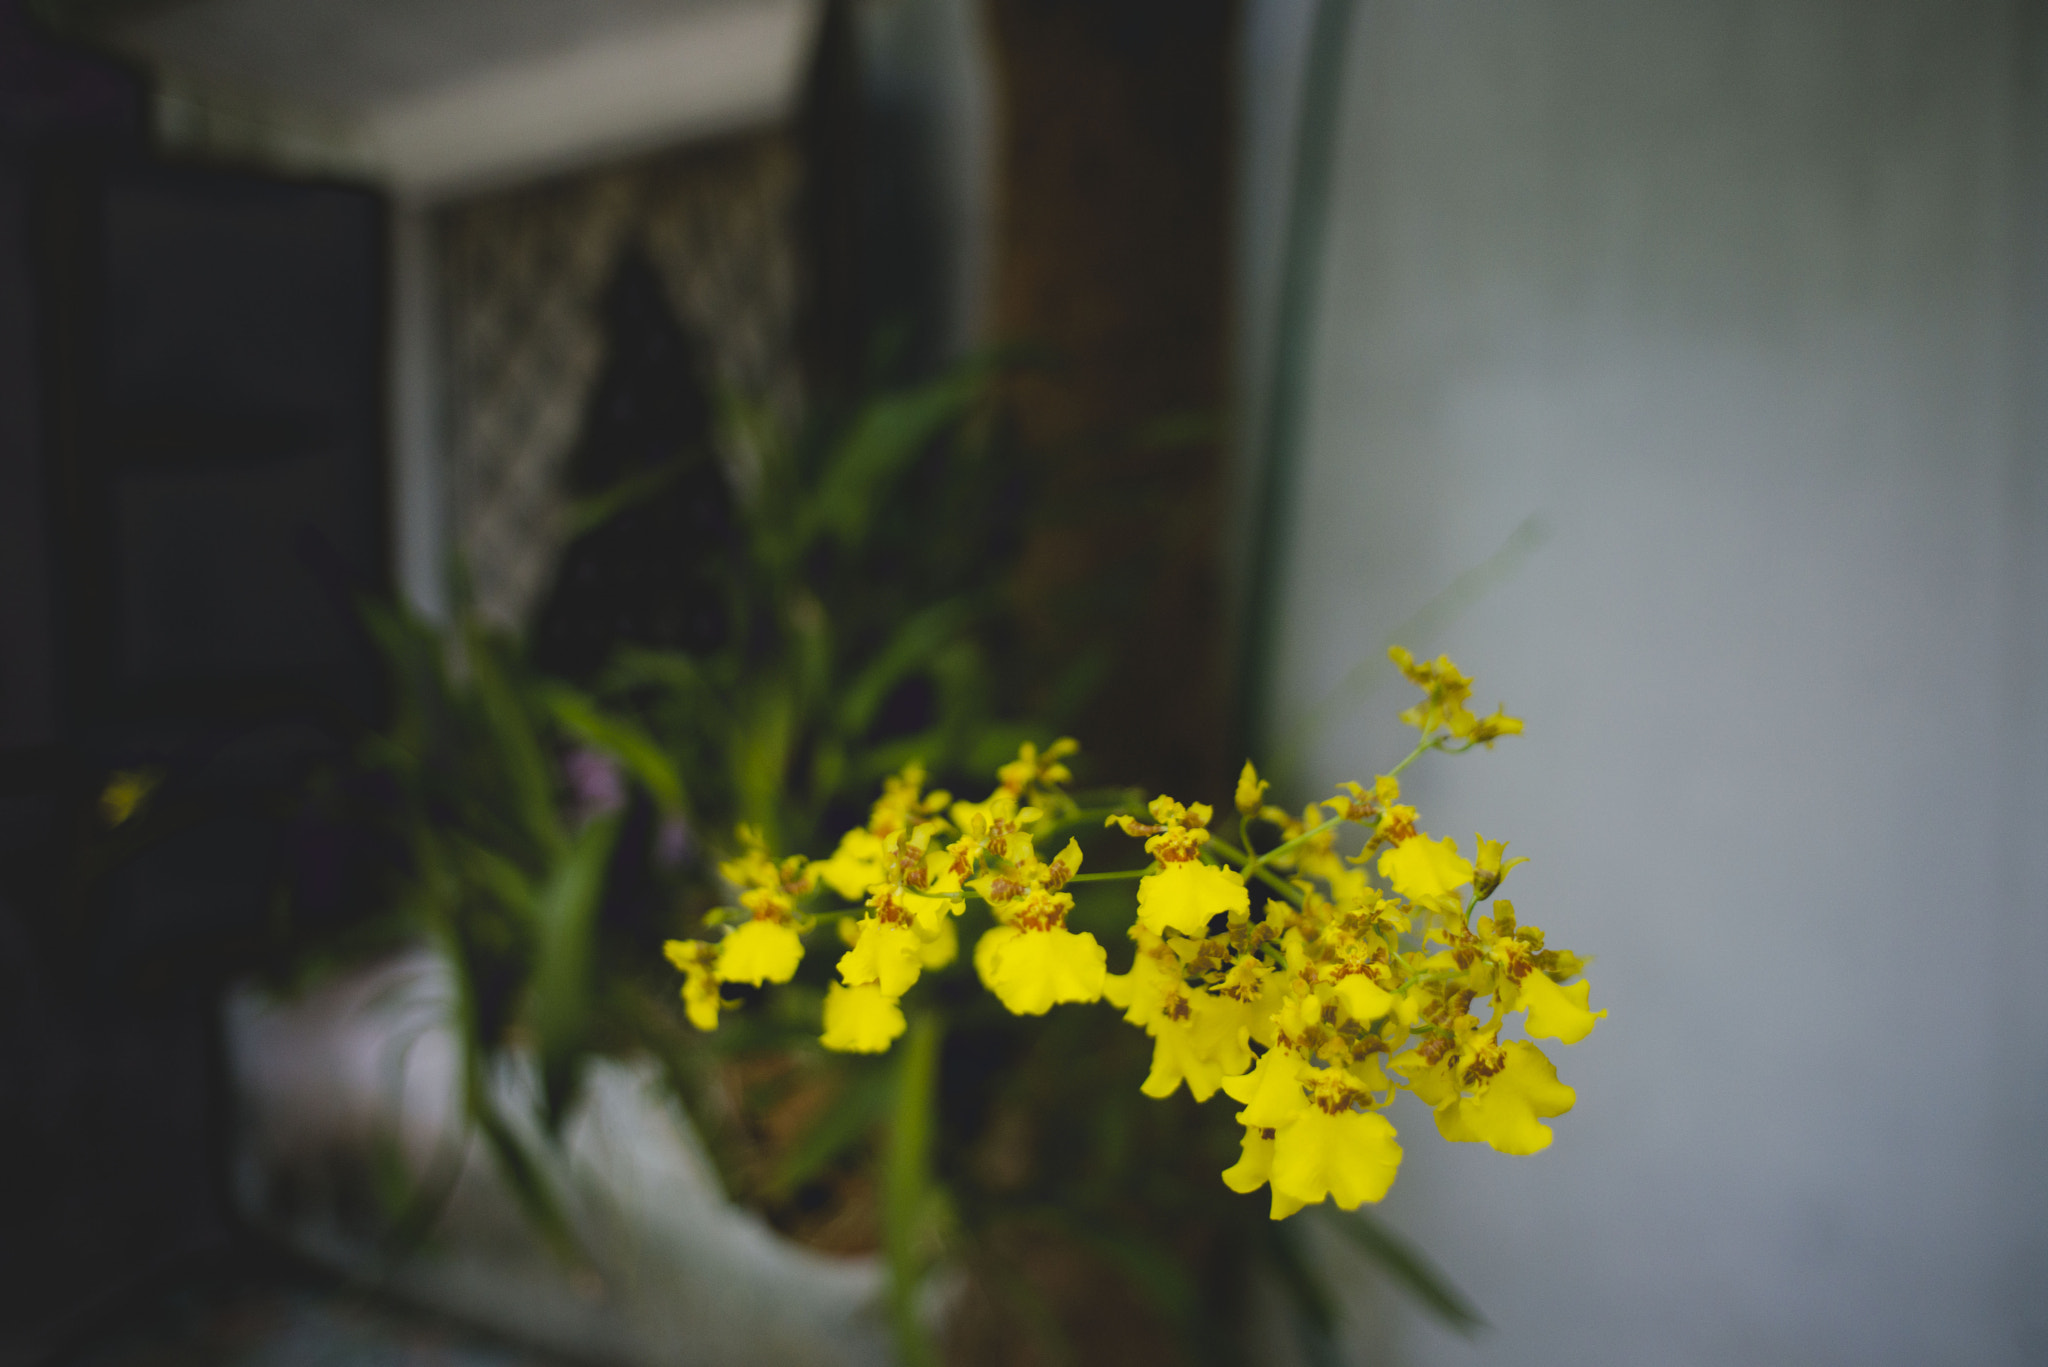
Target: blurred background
{"points": [[1681, 369]]}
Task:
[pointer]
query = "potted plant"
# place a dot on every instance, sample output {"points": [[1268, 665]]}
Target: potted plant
{"points": [[900, 1105]]}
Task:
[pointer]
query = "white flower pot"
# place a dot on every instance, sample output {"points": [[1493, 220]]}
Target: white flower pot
{"points": [[364, 1069]]}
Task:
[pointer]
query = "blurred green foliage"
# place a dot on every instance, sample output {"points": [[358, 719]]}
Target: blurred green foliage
{"points": [[863, 602]]}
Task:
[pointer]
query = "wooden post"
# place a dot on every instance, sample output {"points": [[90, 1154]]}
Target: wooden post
{"points": [[1113, 254]]}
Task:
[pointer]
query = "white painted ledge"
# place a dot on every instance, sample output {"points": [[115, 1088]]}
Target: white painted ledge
{"points": [[703, 73]]}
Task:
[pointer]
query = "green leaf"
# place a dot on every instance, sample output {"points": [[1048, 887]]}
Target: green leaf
{"points": [[760, 758], [1170, 431], [495, 873], [524, 1175], [856, 1110], [414, 1206], [515, 742], [560, 991], [1411, 1268], [1160, 1277], [913, 645], [588, 512], [1033, 1311], [1315, 1313], [810, 648], [998, 744], [413, 656], [887, 435], [639, 667], [828, 767], [578, 714]]}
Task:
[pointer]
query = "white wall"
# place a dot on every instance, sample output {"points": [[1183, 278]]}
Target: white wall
{"points": [[1745, 301]]}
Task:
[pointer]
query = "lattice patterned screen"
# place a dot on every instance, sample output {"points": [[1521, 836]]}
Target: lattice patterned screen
{"points": [[524, 270]]}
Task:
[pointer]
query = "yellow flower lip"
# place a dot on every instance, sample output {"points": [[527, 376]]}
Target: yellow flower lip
{"points": [[890, 957], [860, 1020], [1420, 868], [1184, 897], [760, 952], [1031, 971]]}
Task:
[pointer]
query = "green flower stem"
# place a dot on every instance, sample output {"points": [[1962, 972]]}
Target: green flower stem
{"points": [[907, 1185], [1426, 744], [1086, 814], [1103, 877], [1249, 865], [1311, 833]]}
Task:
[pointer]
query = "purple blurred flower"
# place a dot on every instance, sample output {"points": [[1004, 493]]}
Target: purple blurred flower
{"points": [[674, 842], [596, 787]]}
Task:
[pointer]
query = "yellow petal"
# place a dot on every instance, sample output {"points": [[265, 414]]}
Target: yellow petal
{"points": [[988, 950], [1491, 864], [933, 912], [942, 948], [700, 999], [889, 956], [1283, 1206], [1432, 1082], [860, 1020], [1365, 999], [855, 866], [1175, 1060], [1254, 1164], [758, 952], [1556, 1012], [124, 793], [1184, 896], [1370, 1076], [1201, 1050], [1030, 971], [1422, 867], [1504, 1114], [1271, 1091], [1251, 790], [1351, 1156], [1142, 991]]}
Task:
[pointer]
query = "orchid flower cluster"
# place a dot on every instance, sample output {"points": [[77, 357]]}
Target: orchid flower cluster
{"points": [[1311, 1008]]}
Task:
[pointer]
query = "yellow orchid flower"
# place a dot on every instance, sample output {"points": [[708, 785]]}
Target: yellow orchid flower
{"points": [[1030, 971], [1505, 1113], [697, 960], [1310, 1011], [887, 956]]}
